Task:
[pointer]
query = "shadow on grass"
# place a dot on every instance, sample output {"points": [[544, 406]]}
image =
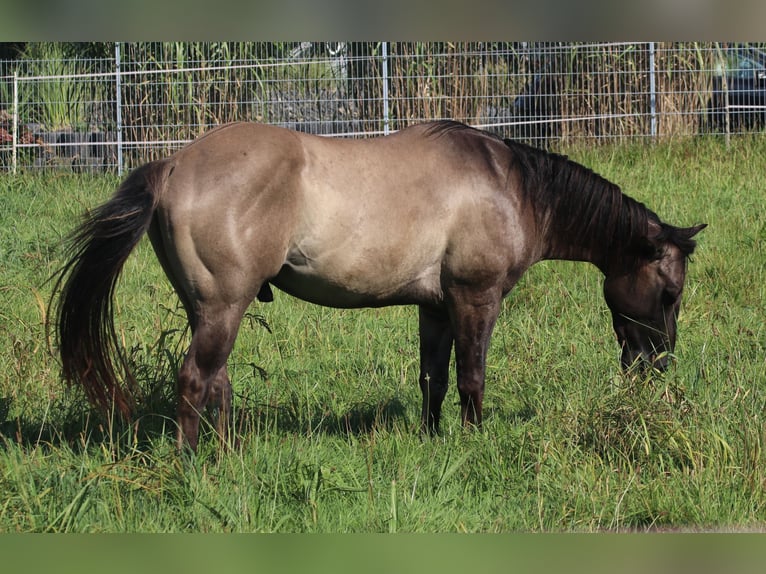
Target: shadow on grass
{"points": [[75, 423], [289, 417], [79, 424]]}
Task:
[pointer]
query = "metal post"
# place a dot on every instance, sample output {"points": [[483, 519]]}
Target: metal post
{"points": [[118, 104], [653, 90], [725, 87], [384, 47], [15, 128]]}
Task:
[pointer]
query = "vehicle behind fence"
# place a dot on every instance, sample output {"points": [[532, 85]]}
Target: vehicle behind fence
{"points": [[112, 106]]}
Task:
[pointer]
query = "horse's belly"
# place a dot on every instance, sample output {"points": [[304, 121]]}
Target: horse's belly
{"points": [[354, 292]]}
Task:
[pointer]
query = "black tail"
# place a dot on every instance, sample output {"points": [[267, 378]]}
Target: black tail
{"points": [[88, 344]]}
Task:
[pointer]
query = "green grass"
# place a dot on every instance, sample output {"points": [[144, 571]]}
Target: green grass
{"points": [[327, 402]]}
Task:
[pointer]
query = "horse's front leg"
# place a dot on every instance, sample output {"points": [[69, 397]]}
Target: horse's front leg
{"points": [[435, 350], [473, 315]]}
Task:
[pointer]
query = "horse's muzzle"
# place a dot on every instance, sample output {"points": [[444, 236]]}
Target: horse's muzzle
{"points": [[643, 362]]}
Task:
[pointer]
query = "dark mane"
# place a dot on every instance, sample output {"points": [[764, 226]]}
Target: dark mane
{"points": [[581, 208]]}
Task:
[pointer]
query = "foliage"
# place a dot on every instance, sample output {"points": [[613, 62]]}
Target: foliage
{"points": [[61, 102]]}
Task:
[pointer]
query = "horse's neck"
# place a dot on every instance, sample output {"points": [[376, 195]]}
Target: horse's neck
{"points": [[572, 251], [580, 215], [564, 241]]}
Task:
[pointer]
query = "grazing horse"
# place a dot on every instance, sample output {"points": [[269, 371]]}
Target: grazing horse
{"points": [[438, 215]]}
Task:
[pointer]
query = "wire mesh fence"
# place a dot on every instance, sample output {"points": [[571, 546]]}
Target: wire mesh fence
{"points": [[112, 106]]}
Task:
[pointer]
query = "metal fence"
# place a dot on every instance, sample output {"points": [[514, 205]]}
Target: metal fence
{"points": [[139, 101]]}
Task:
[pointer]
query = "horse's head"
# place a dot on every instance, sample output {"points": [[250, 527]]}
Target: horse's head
{"points": [[645, 298]]}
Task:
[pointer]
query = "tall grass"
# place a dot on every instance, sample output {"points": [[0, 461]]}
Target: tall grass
{"points": [[177, 90], [327, 405], [172, 91], [61, 102]]}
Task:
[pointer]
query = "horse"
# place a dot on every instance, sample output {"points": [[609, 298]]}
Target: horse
{"points": [[439, 215]]}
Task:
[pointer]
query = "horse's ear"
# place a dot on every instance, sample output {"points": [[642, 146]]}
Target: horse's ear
{"points": [[689, 232], [682, 236]]}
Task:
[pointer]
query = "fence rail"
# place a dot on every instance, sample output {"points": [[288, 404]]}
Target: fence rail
{"points": [[143, 100]]}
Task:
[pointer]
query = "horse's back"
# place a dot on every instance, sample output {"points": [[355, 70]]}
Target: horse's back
{"points": [[384, 219]]}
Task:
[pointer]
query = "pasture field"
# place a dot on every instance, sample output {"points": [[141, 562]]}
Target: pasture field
{"points": [[327, 401]]}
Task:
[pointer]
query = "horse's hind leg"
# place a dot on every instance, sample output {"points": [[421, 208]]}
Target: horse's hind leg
{"points": [[203, 377], [220, 400]]}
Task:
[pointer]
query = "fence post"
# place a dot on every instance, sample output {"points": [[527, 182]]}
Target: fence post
{"points": [[15, 128], [725, 88], [653, 90], [118, 104], [384, 46]]}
